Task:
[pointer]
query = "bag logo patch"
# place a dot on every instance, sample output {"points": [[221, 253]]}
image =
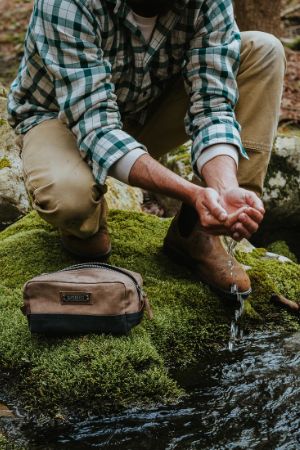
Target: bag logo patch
{"points": [[76, 298]]}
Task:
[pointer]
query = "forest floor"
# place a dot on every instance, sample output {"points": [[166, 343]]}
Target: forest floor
{"points": [[14, 15]]}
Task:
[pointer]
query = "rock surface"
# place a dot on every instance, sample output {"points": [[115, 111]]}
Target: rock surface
{"points": [[282, 187], [14, 201], [13, 198], [282, 194], [121, 196]]}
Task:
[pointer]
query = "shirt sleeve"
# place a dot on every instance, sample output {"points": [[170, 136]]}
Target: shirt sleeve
{"points": [[212, 62], [217, 150], [70, 47], [122, 168]]}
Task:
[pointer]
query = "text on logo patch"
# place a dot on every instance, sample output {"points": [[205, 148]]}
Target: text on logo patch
{"points": [[75, 298]]}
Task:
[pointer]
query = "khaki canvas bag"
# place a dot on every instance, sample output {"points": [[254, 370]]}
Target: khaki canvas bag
{"points": [[85, 298]]}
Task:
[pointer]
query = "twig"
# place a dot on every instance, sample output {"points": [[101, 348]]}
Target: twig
{"points": [[290, 10], [280, 300]]}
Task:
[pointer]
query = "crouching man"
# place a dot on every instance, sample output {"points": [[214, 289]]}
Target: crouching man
{"points": [[108, 86]]}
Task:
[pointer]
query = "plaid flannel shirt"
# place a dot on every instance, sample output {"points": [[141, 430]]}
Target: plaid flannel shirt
{"points": [[86, 62]]}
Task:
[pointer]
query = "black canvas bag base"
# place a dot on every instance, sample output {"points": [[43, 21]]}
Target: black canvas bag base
{"points": [[66, 324]]}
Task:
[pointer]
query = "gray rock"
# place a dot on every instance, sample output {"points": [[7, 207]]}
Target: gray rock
{"points": [[14, 202], [121, 196], [282, 187]]}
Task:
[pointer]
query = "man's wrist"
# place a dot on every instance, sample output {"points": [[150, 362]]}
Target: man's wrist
{"points": [[220, 173]]}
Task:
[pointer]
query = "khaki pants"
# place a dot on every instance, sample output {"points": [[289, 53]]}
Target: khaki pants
{"points": [[61, 184]]}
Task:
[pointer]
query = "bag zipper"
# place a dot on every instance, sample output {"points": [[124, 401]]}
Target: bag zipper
{"points": [[96, 265]]}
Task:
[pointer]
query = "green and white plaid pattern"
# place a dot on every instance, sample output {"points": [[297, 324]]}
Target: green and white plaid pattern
{"points": [[87, 63]]}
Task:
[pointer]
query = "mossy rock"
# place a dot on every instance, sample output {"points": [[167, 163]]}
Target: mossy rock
{"points": [[6, 444], [281, 248], [96, 372], [4, 162], [3, 442]]}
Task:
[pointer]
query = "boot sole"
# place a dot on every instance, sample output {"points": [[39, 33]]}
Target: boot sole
{"points": [[183, 259]]}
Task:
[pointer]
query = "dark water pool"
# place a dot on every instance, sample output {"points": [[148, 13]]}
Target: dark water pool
{"points": [[245, 399]]}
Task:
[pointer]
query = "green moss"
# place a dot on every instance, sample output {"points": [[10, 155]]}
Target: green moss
{"points": [[6, 444], [3, 441], [288, 129], [179, 161], [4, 162], [293, 44], [97, 372], [281, 248]]}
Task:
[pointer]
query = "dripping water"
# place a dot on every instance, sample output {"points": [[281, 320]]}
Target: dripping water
{"points": [[235, 330]]}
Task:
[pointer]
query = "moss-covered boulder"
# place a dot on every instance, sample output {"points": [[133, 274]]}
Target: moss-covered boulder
{"points": [[98, 372]]}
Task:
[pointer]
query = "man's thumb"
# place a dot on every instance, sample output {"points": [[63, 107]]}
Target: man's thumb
{"points": [[214, 207]]}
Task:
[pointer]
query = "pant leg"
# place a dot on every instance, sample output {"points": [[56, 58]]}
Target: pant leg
{"points": [[260, 82], [59, 182]]}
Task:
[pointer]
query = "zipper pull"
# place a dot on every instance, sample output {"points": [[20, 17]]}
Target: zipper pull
{"points": [[147, 306]]}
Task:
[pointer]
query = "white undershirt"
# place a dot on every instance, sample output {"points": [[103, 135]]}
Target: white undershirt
{"points": [[146, 25], [121, 169]]}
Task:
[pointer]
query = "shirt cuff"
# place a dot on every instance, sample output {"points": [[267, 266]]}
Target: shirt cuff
{"points": [[121, 169], [217, 150]]}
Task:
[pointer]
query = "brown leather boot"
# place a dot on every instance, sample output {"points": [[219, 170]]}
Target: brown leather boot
{"points": [[187, 244], [97, 246]]}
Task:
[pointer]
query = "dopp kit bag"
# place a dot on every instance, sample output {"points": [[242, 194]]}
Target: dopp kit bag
{"points": [[85, 298]]}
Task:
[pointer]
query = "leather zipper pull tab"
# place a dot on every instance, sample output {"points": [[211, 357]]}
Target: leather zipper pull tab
{"points": [[147, 307]]}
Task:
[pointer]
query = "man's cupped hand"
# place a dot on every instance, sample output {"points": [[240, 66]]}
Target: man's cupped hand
{"points": [[234, 212]]}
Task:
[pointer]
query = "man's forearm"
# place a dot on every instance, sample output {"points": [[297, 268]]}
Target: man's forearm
{"points": [[149, 174], [216, 214], [220, 173]]}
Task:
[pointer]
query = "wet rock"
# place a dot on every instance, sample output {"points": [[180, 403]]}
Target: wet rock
{"points": [[292, 343]]}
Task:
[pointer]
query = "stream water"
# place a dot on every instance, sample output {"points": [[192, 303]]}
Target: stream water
{"points": [[246, 398]]}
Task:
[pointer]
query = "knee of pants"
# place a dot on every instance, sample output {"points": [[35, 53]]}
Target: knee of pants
{"points": [[67, 203], [267, 48]]}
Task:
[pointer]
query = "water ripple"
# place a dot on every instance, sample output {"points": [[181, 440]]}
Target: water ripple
{"points": [[245, 399]]}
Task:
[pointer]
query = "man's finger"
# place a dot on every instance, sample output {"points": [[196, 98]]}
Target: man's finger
{"points": [[214, 207], [237, 237], [248, 223], [255, 215], [209, 221], [254, 201], [234, 217], [240, 230]]}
